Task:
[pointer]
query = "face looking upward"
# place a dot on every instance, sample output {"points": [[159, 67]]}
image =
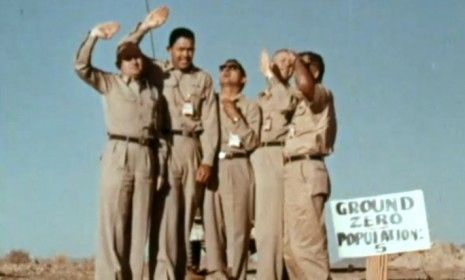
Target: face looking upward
{"points": [[182, 53], [283, 65], [230, 74]]}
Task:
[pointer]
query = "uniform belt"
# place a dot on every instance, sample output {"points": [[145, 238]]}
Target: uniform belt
{"points": [[301, 157], [141, 141], [272, 143], [229, 155], [192, 134]]}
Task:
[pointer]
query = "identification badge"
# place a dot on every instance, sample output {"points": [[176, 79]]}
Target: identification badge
{"points": [[234, 140], [291, 131], [267, 124], [188, 109]]}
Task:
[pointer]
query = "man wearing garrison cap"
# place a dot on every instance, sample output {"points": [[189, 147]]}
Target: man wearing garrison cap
{"points": [[134, 155]]}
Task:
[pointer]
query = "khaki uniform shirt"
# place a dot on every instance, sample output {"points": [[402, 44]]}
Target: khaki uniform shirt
{"points": [[277, 104], [313, 127], [191, 102], [131, 107], [243, 136]]}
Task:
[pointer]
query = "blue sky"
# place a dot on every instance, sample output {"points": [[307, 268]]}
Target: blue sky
{"points": [[395, 68]]}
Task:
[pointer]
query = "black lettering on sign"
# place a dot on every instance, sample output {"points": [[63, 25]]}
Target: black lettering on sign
{"points": [[380, 248], [354, 222], [395, 219], [380, 238], [340, 209], [406, 203]]}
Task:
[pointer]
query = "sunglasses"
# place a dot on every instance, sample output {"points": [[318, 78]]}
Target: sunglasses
{"points": [[229, 66]]}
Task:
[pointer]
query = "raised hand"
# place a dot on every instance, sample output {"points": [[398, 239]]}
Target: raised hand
{"points": [[155, 18], [105, 30], [265, 65]]}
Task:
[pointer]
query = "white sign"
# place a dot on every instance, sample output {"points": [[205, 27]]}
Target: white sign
{"points": [[379, 225]]}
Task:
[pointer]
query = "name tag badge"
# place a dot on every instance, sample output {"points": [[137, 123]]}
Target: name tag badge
{"points": [[267, 124], [188, 109], [234, 140], [291, 131]]}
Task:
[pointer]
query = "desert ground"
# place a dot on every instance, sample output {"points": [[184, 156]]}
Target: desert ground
{"points": [[443, 261]]}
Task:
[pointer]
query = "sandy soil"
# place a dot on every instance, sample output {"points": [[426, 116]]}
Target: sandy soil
{"points": [[443, 261]]}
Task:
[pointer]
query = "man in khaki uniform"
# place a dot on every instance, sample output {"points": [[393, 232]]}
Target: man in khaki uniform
{"points": [[129, 164], [194, 134], [227, 208], [306, 182], [277, 104]]}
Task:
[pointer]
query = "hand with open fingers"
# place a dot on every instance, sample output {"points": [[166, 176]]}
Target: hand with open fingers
{"points": [[156, 18], [160, 183], [265, 65], [105, 30]]}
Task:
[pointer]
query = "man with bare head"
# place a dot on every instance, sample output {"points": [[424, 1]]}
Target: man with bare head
{"points": [[306, 185], [194, 131], [277, 103], [129, 162]]}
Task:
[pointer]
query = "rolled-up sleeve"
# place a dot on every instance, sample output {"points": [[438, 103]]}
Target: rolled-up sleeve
{"points": [[96, 78]]}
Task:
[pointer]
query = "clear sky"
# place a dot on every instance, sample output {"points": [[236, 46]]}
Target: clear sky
{"points": [[395, 68]]}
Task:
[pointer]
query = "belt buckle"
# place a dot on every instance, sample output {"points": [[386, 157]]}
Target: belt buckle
{"points": [[222, 155], [142, 141], [286, 159]]}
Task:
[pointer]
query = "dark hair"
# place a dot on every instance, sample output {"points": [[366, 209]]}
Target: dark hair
{"points": [[235, 62], [316, 60], [126, 50], [180, 32]]}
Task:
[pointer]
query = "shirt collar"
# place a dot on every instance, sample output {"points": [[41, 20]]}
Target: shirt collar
{"points": [[170, 67], [238, 97]]}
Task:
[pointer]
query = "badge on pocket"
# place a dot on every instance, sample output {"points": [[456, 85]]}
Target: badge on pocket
{"points": [[267, 124], [291, 131], [234, 140], [188, 109]]}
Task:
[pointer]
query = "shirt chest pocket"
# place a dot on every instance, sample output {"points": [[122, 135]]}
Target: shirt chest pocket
{"points": [[194, 96], [303, 121], [121, 106]]}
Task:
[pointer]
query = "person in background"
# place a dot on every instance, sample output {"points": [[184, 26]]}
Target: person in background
{"points": [[277, 103]]}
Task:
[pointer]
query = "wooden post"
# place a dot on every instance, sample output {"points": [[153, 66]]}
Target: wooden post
{"points": [[376, 267]]}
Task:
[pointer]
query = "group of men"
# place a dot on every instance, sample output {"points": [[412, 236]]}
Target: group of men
{"points": [[174, 146]]}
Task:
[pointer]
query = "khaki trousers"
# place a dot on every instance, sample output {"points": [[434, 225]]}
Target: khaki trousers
{"points": [[227, 218], [170, 246], [306, 188], [268, 168], [125, 201]]}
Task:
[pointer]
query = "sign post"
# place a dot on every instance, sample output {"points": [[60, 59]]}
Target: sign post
{"points": [[376, 267], [380, 225]]}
